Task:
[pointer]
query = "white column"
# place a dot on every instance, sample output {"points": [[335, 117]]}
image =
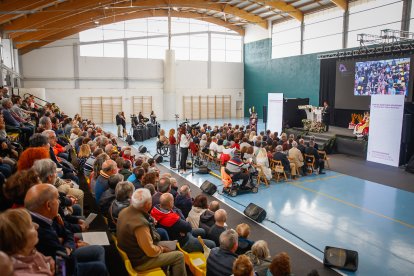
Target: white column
{"points": [[170, 102]]}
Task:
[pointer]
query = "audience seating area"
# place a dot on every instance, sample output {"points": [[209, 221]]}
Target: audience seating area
{"points": [[55, 170]]}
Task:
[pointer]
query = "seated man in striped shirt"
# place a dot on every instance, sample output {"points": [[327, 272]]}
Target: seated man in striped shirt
{"points": [[237, 169]]}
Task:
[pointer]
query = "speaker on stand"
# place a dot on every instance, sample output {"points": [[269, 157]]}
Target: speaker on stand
{"points": [[265, 116]]}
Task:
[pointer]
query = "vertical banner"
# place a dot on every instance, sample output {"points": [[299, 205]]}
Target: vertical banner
{"points": [[385, 129], [275, 112]]}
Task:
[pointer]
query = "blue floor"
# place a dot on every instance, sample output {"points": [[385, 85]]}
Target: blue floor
{"points": [[336, 210]]}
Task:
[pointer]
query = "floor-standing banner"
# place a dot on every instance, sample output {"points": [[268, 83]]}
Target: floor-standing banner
{"points": [[385, 129], [275, 112]]}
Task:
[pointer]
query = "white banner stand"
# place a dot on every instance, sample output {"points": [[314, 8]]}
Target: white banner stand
{"points": [[385, 125], [275, 111]]}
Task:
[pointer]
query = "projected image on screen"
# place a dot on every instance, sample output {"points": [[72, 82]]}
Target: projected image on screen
{"points": [[387, 77]]}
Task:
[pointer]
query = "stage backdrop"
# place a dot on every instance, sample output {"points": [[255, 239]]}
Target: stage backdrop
{"points": [[275, 112], [385, 129]]}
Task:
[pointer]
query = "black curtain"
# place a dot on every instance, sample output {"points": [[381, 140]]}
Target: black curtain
{"points": [[327, 85]]}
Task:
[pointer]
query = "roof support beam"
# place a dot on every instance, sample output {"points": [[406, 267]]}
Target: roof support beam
{"points": [[343, 4], [18, 8], [29, 46], [284, 7]]}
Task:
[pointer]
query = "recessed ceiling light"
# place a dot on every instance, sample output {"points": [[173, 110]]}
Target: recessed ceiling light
{"points": [[96, 22]]}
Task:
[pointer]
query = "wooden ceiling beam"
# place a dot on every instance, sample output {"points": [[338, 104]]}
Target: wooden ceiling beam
{"points": [[14, 7], [29, 46], [287, 8], [53, 13], [343, 4], [200, 4]]}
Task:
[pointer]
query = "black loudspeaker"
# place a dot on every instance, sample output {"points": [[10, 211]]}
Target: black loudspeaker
{"points": [[208, 187], [406, 129], [340, 258], [158, 158], [255, 212], [265, 114], [129, 140], [138, 135], [142, 149]]}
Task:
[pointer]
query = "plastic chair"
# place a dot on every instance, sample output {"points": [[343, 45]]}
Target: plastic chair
{"points": [[128, 266], [278, 170], [194, 259]]}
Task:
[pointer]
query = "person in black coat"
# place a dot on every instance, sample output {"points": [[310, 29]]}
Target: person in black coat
{"points": [[320, 163], [280, 156], [183, 201], [326, 115], [221, 259]]}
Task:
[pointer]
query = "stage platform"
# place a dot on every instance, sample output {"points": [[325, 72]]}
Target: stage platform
{"points": [[336, 140]]}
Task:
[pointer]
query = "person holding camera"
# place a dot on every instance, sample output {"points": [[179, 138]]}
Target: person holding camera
{"points": [[185, 139]]}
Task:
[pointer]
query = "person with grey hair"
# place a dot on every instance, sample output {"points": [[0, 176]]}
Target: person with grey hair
{"points": [[10, 121], [42, 201], [287, 166], [319, 162], [67, 168], [109, 168], [123, 193], [220, 260], [164, 186], [109, 194], [45, 123], [260, 257], [46, 169], [183, 201], [139, 239], [301, 145], [296, 156]]}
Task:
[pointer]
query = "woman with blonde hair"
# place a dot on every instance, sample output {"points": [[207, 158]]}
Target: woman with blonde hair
{"points": [[260, 257], [173, 148], [252, 135], [83, 155], [18, 238]]}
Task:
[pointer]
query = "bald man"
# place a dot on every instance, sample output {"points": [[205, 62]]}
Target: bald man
{"points": [[109, 168], [220, 217], [172, 220], [42, 201]]}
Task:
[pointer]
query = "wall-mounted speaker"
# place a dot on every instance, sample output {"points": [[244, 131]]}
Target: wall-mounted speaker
{"points": [[265, 114]]}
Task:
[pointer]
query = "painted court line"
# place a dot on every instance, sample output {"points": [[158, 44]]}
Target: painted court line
{"points": [[297, 184]]}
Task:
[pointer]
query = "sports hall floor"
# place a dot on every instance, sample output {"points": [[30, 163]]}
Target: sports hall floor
{"points": [[356, 205]]}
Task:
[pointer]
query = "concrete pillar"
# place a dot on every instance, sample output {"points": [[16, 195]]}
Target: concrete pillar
{"points": [[170, 101]]}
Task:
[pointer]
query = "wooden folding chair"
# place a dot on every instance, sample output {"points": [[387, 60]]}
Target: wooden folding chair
{"points": [[324, 157], [278, 170], [261, 177], [309, 163]]}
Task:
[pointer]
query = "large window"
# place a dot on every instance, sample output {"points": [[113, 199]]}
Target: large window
{"points": [[323, 31], [286, 39], [148, 38], [371, 17]]}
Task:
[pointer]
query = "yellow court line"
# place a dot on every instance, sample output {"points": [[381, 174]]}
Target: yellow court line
{"points": [[351, 204]]}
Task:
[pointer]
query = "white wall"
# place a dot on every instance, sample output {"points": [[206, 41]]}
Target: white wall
{"points": [[255, 33], [52, 68]]}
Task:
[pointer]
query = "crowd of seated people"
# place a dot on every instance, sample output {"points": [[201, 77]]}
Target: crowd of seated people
{"points": [[222, 143], [42, 205]]}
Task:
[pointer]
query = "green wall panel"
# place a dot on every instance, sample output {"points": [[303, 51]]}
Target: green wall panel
{"points": [[295, 77]]}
